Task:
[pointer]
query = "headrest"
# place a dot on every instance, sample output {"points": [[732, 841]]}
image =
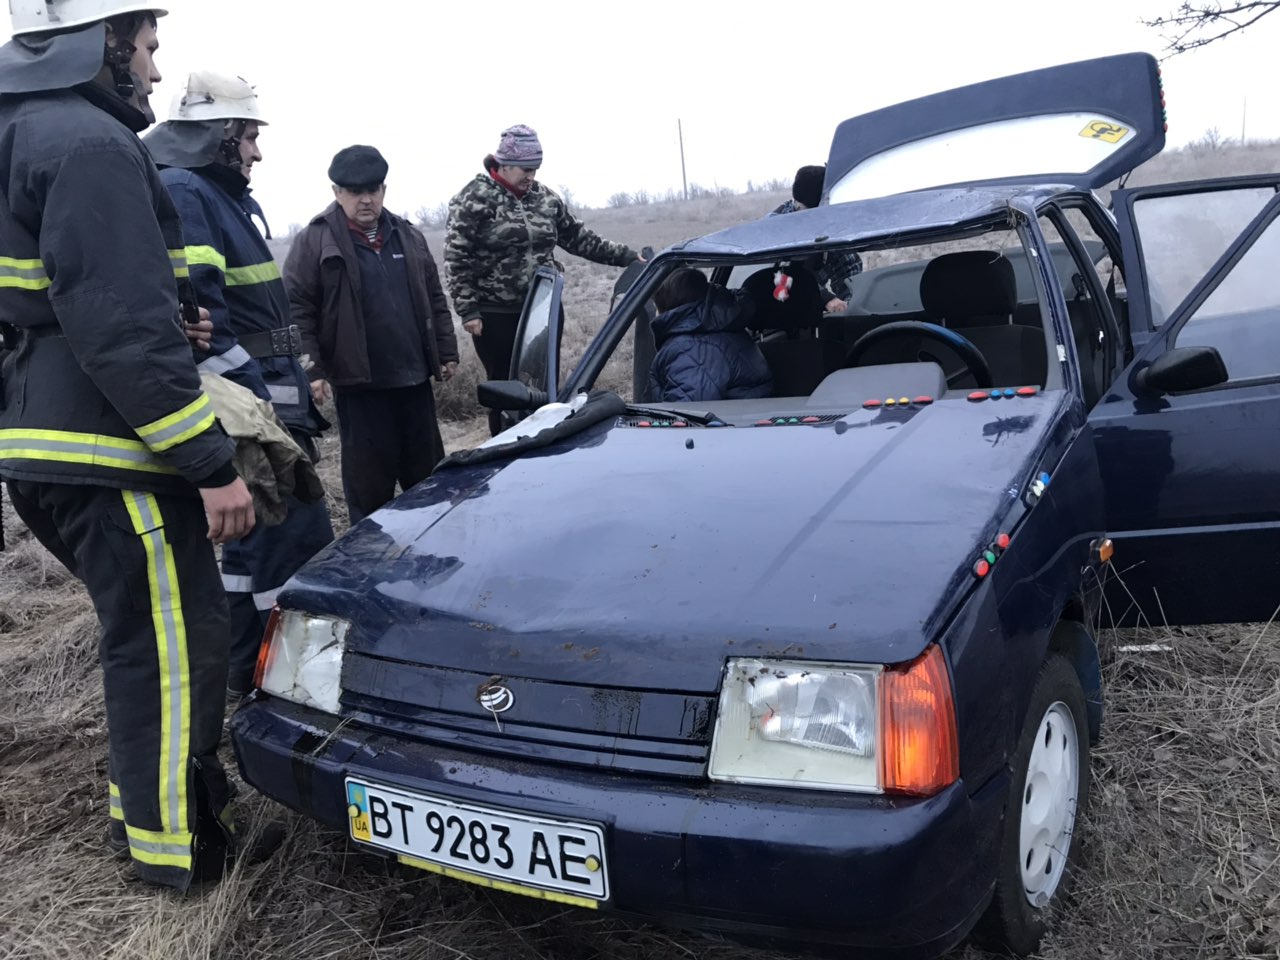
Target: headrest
{"points": [[802, 308], [969, 288]]}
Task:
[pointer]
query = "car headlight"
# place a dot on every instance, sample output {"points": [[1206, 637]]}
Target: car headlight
{"points": [[830, 726], [301, 658]]}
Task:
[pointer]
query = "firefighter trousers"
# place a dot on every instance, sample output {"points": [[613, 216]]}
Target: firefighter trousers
{"points": [[149, 568]]}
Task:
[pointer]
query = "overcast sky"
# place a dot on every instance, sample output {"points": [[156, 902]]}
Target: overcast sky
{"points": [[759, 86]]}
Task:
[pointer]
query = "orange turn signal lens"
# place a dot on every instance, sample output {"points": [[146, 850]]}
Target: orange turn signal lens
{"points": [[1102, 550], [921, 752], [265, 651]]}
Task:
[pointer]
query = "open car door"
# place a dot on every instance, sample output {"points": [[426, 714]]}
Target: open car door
{"points": [[535, 361], [1189, 434], [535, 357]]}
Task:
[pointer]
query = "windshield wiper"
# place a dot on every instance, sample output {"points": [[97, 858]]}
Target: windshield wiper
{"points": [[701, 419]]}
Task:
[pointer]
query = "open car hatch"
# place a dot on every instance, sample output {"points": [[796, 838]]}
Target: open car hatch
{"points": [[1083, 123]]}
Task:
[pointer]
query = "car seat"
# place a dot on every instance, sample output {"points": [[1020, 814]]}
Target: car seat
{"points": [[975, 294], [794, 354]]}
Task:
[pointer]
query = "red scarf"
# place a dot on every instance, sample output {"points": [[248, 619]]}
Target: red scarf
{"points": [[518, 191]]}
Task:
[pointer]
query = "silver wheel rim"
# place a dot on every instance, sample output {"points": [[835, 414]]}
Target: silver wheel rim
{"points": [[1049, 797]]}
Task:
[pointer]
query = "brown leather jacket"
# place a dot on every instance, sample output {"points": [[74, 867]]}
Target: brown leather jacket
{"points": [[323, 280]]}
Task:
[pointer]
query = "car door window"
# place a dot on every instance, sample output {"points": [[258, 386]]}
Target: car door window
{"points": [[533, 363], [1241, 316], [1082, 289], [1184, 234]]}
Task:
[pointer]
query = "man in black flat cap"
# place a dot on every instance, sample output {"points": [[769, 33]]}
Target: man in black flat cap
{"points": [[365, 292]]}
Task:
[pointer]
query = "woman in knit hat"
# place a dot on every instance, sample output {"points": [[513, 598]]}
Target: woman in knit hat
{"points": [[503, 225]]}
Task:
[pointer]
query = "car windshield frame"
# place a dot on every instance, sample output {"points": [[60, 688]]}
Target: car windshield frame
{"points": [[710, 252]]}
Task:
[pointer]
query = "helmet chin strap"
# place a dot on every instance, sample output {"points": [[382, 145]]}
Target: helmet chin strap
{"points": [[120, 59], [229, 148]]}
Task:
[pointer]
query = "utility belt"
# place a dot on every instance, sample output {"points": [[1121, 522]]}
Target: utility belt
{"points": [[280, 342]]}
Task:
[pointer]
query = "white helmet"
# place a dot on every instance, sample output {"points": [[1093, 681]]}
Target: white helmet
{"points": [[213, 96], [36, 16]]}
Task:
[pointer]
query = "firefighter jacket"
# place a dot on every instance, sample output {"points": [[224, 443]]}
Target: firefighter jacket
{"points": [[236, 279], [101, 387]]}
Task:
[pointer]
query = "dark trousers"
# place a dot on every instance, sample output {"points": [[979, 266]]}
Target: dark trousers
{"points": [[494, 346], [149, 569], [387, 436]]}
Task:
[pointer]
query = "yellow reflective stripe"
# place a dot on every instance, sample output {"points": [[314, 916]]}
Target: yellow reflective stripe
{"points": [[252, 273], [200, 426], [112, 789], [158, 837], [178, 258], [89, 459], [155, 426], [499, 884], [206, 256], [171, 645], [68, 436], [89, 448], [142, 854], [113, 801], [196, 417], [244, 276], [159, 848], [23, 274]]}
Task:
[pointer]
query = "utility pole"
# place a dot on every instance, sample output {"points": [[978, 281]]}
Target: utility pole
{"points": [[1244, 114], [684, 180]]}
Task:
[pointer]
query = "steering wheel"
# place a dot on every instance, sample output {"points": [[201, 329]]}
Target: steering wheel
{"points": [[975, 364]]}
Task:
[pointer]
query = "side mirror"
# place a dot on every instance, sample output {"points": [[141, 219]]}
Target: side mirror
{"points": [[509, 395], [1182, 369]]}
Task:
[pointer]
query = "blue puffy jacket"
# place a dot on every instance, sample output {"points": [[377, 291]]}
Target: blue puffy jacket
{"points": [[705, 353]]}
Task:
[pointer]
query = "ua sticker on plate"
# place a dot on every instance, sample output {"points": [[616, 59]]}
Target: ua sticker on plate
{"points": [[358, 811]]}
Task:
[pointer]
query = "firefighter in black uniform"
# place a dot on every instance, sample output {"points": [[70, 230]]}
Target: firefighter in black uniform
{"points": [[206, 152], [111, 452]]}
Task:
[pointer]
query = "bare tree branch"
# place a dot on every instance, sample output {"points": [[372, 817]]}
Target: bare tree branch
{"points": [[1195, 25]]}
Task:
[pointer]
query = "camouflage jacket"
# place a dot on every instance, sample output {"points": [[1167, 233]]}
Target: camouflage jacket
{"points": [[495, 241]]}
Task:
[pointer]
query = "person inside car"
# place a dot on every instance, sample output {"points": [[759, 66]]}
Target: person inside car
{"points": [[704, 350], [835, 269]]}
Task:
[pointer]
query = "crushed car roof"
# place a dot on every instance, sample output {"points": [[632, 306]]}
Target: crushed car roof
{"points": [[905, 213]]}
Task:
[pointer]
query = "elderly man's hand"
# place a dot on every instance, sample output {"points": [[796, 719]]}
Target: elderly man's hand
{"points": [[448, 370], [836, 305], [320, 391], [474, 326], [201, 333]]}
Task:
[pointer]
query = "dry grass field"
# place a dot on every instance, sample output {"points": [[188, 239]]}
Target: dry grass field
{"points": [[1181, 854]]}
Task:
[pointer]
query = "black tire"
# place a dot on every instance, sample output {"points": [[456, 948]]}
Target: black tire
{"points": [[1013, 921]]}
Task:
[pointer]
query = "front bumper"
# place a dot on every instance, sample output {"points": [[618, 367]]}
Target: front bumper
{"points": [[897, 877]]}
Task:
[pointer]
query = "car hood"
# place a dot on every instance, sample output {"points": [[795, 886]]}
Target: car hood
{"points": [[628, 555]]}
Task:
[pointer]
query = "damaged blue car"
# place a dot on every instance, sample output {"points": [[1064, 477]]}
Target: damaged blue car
{"points": [[818, 668]]}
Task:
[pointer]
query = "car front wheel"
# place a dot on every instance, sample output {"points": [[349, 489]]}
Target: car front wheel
{"points": [[1047, 792]]}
